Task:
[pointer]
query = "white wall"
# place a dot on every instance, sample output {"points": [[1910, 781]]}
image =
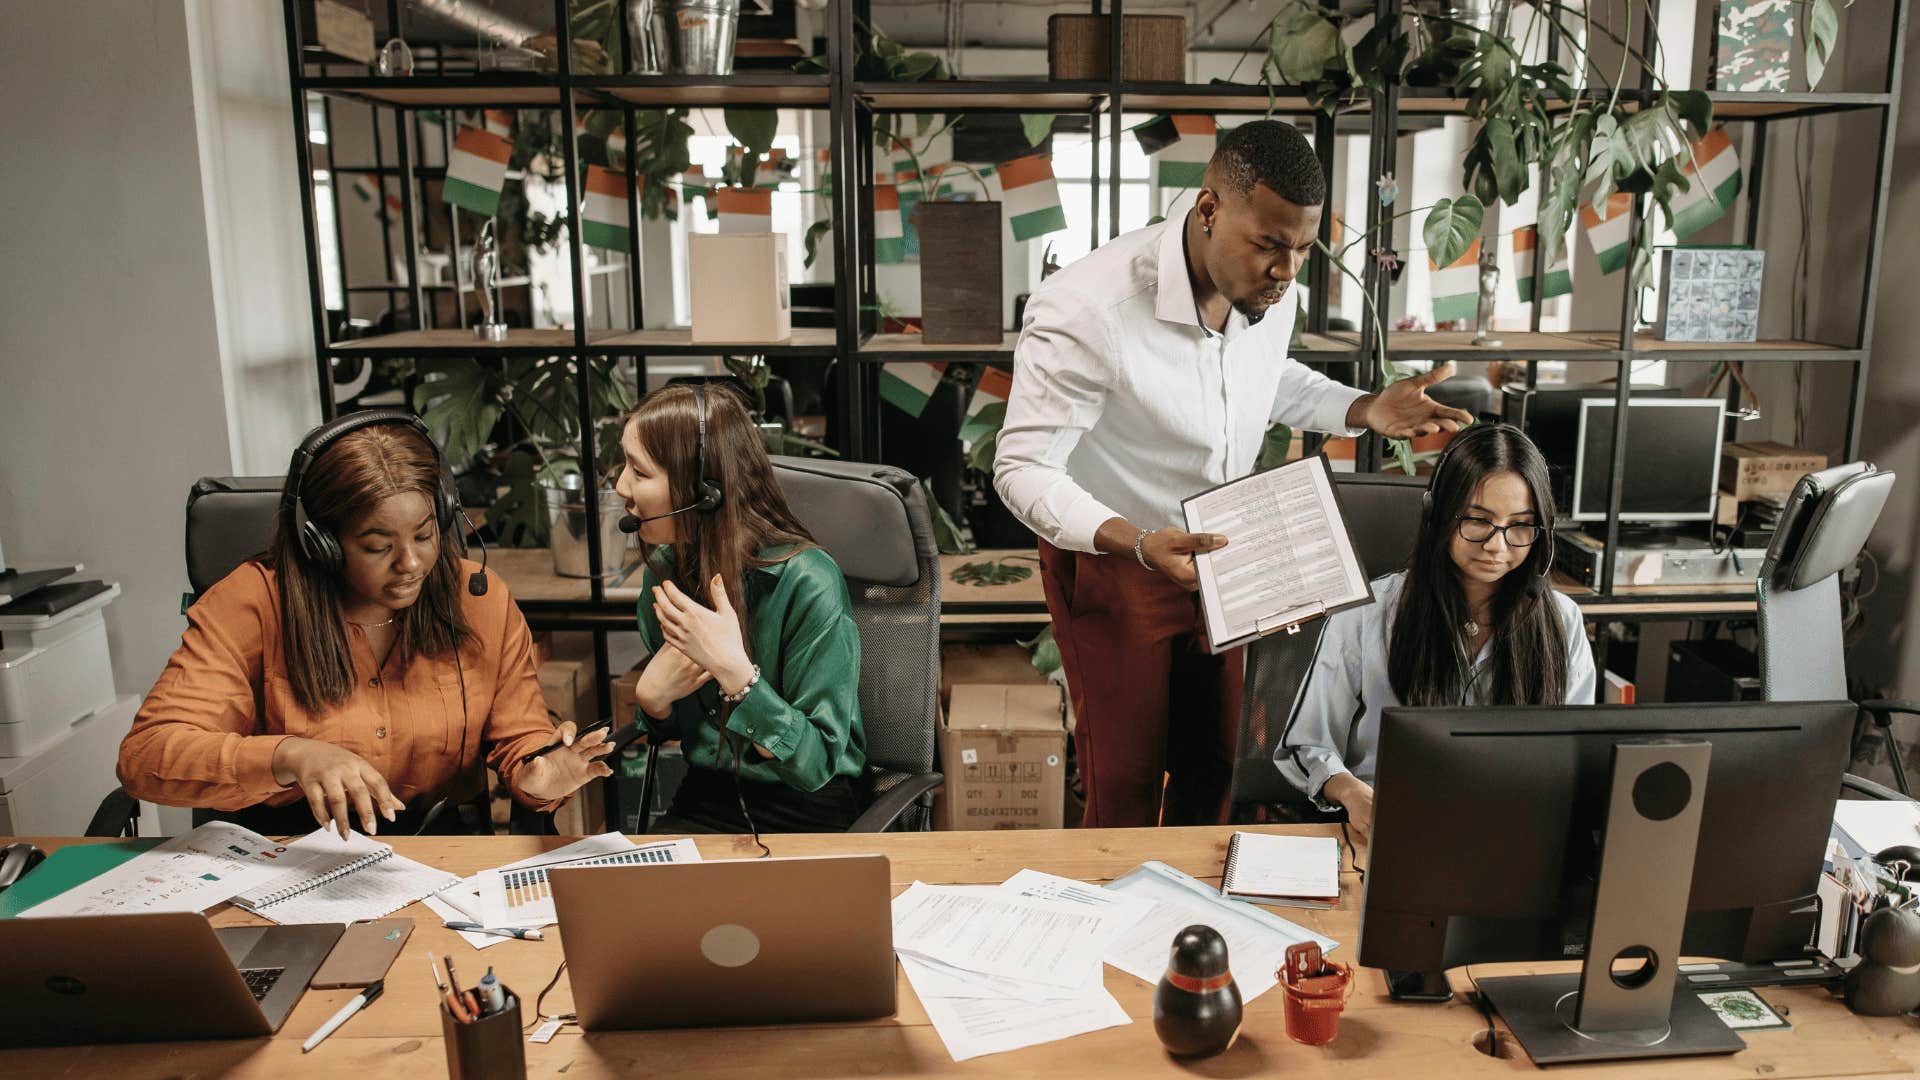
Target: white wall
{"points": [[147, 327]]}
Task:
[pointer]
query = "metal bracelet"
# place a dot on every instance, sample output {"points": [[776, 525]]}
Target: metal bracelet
{"points": [[735, 699], [1140, 549]]}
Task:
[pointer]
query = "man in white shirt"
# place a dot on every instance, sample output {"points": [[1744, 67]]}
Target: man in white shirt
{"points": [[1146, 372]]}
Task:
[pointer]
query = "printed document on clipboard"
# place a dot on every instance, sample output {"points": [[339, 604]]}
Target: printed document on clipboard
{"points": [[1289, 556]]}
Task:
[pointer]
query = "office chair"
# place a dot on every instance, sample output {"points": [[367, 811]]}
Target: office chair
{"points": [[1383, 513], [230, 519], [874, 521], [1802, 653]]}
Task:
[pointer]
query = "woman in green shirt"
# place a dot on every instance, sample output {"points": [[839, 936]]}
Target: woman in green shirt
{"points": [[753, 657]]}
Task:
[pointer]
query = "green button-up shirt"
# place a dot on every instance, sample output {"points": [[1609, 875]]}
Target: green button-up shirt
{"points": [[805, 708]]}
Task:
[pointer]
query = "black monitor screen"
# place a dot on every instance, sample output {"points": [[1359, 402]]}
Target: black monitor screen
{"points": [[1672, 460]]}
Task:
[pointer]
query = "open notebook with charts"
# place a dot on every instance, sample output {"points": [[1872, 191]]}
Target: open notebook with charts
{"points": [[520, 895]]}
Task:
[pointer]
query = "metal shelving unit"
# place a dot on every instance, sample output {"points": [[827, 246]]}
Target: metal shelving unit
{"points": [[851, 107]]}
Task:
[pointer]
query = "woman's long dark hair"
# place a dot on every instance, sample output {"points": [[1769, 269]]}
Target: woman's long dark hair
{"points": [[754, 513], [1427, 661], [349, 478]]}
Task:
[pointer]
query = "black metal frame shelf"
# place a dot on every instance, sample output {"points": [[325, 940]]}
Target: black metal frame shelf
{"points": [[852, 107]]}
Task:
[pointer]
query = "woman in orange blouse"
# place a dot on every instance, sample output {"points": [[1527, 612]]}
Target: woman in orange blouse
{"points": [[351, 668]]}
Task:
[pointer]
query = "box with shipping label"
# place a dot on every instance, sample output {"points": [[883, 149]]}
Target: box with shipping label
{"points": [[739, 289], [1003, 750], [1752, 470]]}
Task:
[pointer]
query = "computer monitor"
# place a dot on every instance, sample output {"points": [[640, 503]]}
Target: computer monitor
{"points": [[1672, 459], [1492, 826]]}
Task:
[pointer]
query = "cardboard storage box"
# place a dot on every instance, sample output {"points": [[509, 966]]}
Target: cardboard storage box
{"points": [[739, 289], [996, 665], [1751, 470], [567, 686], [1003, 750]]}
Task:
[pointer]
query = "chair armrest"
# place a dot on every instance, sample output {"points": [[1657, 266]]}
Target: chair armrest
{"points": [[115, 815], [887, 808], [1864, 786], [1884, 706]]}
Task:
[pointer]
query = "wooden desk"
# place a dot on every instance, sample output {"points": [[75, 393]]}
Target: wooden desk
{"points": [[399, 1035]]}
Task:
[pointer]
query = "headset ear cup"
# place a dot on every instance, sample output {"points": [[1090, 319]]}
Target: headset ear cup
{"points": [[711, 496], [321, 547]]}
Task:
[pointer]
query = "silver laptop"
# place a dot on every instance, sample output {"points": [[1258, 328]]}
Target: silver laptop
{"points": [[746, 942], [151, 978]]}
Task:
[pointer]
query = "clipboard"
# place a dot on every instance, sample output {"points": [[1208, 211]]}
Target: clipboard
{"points": [[1356, 589]]}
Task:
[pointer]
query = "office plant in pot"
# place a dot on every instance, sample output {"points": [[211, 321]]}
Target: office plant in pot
{"points": [[542, 498]]}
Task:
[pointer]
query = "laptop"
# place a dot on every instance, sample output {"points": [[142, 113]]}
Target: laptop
{"points": [[747, 942], [151, 978]]}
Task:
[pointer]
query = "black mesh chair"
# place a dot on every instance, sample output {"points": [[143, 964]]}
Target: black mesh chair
{"points": [[1384, 514], [873, 520]]}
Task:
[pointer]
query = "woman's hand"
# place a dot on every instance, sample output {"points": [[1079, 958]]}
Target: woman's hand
{"points": [[1357, 796], [709, 636], [560, 774], [334, 778], [668, 677]]}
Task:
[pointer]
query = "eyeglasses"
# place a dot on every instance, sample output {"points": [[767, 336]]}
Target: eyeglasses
{"points": [[1475, 530]]}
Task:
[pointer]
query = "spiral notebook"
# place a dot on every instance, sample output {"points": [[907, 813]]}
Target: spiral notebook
{"points": [[1297, 871], [328, 879]]}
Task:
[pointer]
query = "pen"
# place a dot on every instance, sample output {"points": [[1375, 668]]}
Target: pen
{"points": [[360, 1001], [551, 747], [492, 995], [500, 931]]}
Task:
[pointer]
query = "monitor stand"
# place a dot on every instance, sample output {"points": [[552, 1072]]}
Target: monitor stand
{"points": [[1610, 1009]]}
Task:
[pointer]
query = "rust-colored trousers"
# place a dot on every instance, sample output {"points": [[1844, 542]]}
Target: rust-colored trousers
{"points": [[1156, 716]]}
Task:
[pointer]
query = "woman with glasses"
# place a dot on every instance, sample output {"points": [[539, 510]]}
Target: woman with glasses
{"points": [[1472, 620]]}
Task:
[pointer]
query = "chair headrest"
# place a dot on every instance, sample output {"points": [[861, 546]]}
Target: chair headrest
{"points": [[1825, 524], [872, 519]]}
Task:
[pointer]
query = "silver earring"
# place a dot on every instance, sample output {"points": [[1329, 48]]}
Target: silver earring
{"points": [[1208, 229]]}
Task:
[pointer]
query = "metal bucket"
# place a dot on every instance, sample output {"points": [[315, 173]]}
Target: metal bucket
{"points": [[567, 531], [683, 37]]}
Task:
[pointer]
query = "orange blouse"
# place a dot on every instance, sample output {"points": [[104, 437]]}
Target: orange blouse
{"points": [[206, 735]]}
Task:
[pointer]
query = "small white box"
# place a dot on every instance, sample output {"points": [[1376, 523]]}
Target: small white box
{"points": [[739, 289], [54, 670]]}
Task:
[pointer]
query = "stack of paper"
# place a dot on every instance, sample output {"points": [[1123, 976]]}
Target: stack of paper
{"points": [[1018, 964], [203, 869], [1256, 939]]}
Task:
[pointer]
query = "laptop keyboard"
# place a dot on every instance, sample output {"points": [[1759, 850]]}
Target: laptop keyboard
{"points": [[261, 980]]}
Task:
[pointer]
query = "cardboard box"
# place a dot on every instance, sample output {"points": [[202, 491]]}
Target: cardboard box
{"points": [[739, 289], [625, 697], [1004, 752], [586, 813], [994, 665], [567, 686], [1751, 470], [1726, 509]]}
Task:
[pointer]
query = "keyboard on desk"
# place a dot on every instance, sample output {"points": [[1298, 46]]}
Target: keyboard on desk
{"points": [[261, 980]]}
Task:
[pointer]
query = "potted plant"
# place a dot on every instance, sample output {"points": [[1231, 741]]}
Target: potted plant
{"points": [[543, 483]]}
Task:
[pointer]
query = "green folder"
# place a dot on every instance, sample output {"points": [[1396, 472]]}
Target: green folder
{"points": [[66, 867]]}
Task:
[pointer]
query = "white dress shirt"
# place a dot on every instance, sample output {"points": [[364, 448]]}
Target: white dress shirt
{"points": [[1124, 404], [1337, 727]]}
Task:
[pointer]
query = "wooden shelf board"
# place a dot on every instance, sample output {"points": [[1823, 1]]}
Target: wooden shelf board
{"points": [[805, 337], [881, 346]]}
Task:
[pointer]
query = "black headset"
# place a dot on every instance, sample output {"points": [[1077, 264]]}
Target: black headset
{"points": [[1538, 581], [317, 542], [707, 494]]}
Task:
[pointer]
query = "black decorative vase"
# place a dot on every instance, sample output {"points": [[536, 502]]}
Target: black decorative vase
{"points": [[1196, 1009]]}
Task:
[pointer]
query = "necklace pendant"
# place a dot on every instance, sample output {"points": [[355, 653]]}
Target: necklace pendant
{"points": [[1470, 628]]}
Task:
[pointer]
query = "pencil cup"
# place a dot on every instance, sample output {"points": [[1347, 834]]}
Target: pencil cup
{"points": [[490, 1048]]}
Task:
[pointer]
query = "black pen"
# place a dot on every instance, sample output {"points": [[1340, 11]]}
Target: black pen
{"points": [[551, 747]]}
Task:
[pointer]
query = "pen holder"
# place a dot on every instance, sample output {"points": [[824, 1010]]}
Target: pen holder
{"points": [[490, 1048], [1315, 1001]]}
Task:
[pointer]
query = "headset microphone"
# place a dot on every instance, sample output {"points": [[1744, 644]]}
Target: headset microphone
{"points": [[477, 581]]}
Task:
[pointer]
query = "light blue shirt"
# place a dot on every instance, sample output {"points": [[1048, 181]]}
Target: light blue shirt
{"points": [[1337, 727]]}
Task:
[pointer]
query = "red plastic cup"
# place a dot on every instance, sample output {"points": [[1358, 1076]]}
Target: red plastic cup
{"points": [[1314, 1002]]}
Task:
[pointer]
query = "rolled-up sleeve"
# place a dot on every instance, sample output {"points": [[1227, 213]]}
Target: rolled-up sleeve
{"points": [[1308, 750], [193, 742], [806, 723], [1062, 371]]}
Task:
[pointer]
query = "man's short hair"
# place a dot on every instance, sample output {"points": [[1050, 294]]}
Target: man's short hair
{"points": [[1272, 153]]}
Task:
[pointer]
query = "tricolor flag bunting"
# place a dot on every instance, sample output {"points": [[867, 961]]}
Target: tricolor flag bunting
{"points": [[994, 388], [889, 238], [1713, 177], [1558, 280], [909, 385], [1608, 231], [1032, 198], [1456, 286], [499, 122], [744, 210], [476, 171], [693, 184], [1180, 147], [603, 210]]}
